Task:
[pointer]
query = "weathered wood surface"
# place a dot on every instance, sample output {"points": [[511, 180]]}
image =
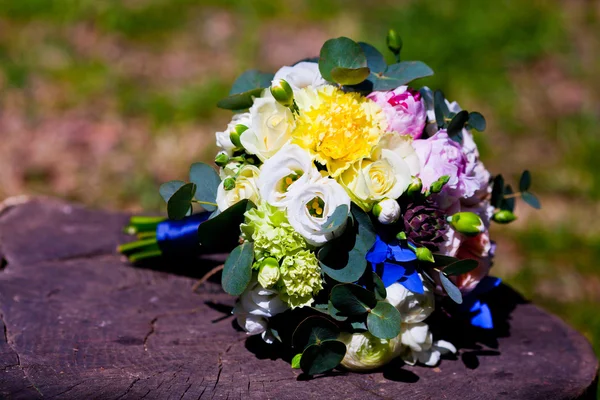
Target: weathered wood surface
{"points": [[79, 322]]}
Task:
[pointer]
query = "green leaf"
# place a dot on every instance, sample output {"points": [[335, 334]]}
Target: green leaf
{"points": [[440, 107], [508, 202], [340, 53], [457, 124], [531, 199], [251, 80], [376, 286], [237, 270], [337, 219], [207, 182], [343, 258], [349, 76], [525, 181], [477, 121], [314, 330], [399, 74], [169, 188], [375, 60], [222, 232], [324, 357], [497, 191], [461, 267], [180, 203], [334, 312], [239, 101], [451, 289], [359, 326], [442, 260], [296, 361], [384, 321], [350, 299]]}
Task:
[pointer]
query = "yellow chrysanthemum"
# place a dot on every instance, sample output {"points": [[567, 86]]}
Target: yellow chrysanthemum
{"points": [[337, 128]]}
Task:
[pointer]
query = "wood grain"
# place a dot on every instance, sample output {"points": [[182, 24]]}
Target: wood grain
{"points": [[79, 322]]}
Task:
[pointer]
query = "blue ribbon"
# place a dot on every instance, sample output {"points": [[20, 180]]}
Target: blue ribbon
{"points": [[180, 237]]}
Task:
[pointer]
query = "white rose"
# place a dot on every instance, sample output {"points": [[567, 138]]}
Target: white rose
{"points": [[270, 129], [413, 307], [365, 351], [301, 75], [291, 165], [255, 306], [223, 138], [387, 211], [419, 345], [246, 187], [310, 205]]}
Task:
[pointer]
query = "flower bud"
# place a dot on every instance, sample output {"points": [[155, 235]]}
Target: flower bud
{"points": [[504, 217], [234, 136], [229, 183], [415, 186], [268, 274], [394, 42], [283, 93], [438, 185], [401, 236], [424, 254], [221, 159], [387, 211], [467, 223]]}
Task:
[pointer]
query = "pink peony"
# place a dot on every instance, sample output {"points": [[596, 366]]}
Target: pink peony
{"points": [[404, 110]]}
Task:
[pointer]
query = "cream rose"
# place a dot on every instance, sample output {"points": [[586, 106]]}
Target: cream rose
{"points": [[365, 351], [413, 307], [246, 187], [310, 205], [290, 166], [270, 129], [224, 138]]}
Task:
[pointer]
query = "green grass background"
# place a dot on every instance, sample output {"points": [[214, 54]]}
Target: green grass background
{"points": [[101, 101]]}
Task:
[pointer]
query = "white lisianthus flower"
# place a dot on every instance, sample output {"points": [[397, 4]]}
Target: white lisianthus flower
{"points": [[255, 306], [224, 138], [413, 307], [366, 352], [387, 211], [290, 166], [419, 345], [246, 187], [270, 128], [310, 205], [301, 75]]}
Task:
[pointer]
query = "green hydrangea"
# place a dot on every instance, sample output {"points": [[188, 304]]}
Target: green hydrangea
{"points": [[271, 232], [300, 278]]}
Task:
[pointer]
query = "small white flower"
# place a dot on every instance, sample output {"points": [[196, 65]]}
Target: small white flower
{"points": [[301, 75], [290, 166], [245, 188], [387, 211], [419, 345], [224, 138], [413, 307], [310, 205], [270, 128]]}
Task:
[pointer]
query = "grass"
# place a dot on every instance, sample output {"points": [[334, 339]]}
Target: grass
{"points": [[100, 102]]}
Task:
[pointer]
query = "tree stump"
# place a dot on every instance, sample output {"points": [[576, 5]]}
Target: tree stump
{"points": [[80, 322]]}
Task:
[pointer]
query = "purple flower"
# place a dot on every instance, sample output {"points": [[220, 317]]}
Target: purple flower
{"points": [[404, 110], [439, 155], [395, 262]]}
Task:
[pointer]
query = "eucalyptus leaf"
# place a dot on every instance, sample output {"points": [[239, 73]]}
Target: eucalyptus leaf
{"points": [[359, 326], [240, 101], [508, 202], [341, 52], [441, 260], [237, 270], [525, 181], [350, 299], [457, 123], [531, 199], [477, 121], [497, 191], [461, 267], [384, 321], [222, 232], [251, 80], [337, 219], [334, 312], [180, 203], [440, 107], [314, 330], [349, 76], [323, 357], [375, 60], [399, 74], [451, 289], [167, 189], [376, 286], [207, 182]]}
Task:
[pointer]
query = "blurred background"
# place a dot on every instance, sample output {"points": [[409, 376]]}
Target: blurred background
{"points": [[102, 101]]}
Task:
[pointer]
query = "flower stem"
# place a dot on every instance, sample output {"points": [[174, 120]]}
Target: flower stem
{"points": [[144, 255], [138, 245], [205, 202], [513, 195]]}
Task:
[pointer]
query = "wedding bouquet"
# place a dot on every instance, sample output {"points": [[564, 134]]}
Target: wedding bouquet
{"points": [[352, 205]]}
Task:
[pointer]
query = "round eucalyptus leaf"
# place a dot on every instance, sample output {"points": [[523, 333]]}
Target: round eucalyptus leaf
{"points": [[169, 188], [350, 299], [180, 203], [341, 52], [314, 330], [237, 270], [207, 182], [323, 357], [384, 321]]}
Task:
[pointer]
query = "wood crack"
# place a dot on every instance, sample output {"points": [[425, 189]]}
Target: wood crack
{"points": [[136, 380], [150, 333]]}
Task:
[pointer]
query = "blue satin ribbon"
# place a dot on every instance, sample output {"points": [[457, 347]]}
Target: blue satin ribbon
{"points": [[180, 237]]}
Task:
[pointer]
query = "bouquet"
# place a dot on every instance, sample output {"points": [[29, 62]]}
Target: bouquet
{"points": [[353, 207]]}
